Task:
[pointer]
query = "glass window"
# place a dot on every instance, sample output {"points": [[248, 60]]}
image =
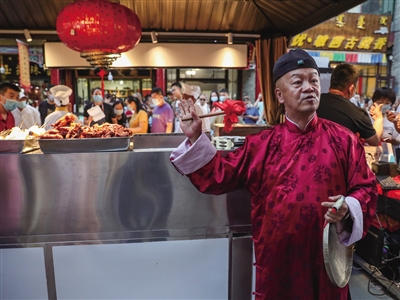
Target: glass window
{"points": [[120, 88]]}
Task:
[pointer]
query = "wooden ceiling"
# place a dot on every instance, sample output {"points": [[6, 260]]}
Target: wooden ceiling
{"points": [[265, 17]]}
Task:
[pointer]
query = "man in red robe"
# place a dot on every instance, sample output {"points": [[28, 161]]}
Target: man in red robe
{"points": [[294, 172]]}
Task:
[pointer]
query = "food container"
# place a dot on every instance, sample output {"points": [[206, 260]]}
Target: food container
{"points": [[84, 145], [11, 146]]}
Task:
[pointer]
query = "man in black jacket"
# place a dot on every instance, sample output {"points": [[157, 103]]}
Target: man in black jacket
{"points": [[336, 106]]}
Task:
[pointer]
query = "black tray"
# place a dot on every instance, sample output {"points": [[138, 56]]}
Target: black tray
{"points": [[84, 145]]}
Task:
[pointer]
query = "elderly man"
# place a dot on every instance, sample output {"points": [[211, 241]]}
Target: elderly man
{"points": [[294, 173], [25, 115]]}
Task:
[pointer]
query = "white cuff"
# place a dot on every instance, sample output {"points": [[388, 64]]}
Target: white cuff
{"points": [[349, 238], [188, 159]]}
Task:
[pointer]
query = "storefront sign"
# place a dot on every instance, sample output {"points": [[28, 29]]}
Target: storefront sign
{"points": [[12, 68], [23, 55], [347, 32]]}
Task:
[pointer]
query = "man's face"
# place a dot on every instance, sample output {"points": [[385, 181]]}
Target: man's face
{"points": [[384, 101], [299, 90], [9, 94], [202, 100], [159, 99], [176, 92], [226, 95]]}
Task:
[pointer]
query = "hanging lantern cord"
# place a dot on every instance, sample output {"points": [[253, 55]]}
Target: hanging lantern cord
{"points": [[102, 73]]}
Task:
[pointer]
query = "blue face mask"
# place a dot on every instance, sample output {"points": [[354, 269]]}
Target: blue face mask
{"points": [[385, 108], [222, 98], [10, 104], [97, 98], [215, 98], [21, 104]]}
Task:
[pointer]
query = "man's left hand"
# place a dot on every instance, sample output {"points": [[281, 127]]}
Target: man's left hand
{"points": [[331, 216]]}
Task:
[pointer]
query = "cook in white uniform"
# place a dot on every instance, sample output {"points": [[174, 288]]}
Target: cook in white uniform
{"points": [[25, 115], [61, 99]]}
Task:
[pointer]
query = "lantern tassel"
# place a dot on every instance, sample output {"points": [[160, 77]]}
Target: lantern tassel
{"points": [[102, 73]]}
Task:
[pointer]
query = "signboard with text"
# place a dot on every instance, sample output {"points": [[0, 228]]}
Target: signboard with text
{"points": [[347, 32]]}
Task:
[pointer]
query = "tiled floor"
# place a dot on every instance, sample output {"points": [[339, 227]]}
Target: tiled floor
{"points": [[359, 287]]}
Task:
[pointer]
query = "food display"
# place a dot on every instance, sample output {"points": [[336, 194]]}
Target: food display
{"points": [[17, 133], [65, 128]]}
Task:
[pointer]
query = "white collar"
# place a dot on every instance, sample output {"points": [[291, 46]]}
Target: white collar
{"points": [[297, 124]]}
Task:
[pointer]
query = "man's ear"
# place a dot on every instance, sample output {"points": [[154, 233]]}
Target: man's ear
{"points": [[278, 95]]}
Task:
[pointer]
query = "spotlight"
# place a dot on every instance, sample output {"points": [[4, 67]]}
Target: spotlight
{"points": [[2, 70], [230, 38], [27, 35], [110, 77], [153, 35]]}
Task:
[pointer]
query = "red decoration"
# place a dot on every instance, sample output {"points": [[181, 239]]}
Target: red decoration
{"points": [[101, 30], [232, 109], [102, 73]]}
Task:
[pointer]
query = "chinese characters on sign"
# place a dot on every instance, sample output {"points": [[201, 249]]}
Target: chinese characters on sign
{"points": [[347, 32]]}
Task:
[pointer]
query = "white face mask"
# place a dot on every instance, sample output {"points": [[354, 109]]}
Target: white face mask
{"points": [[155, 101], [222, 98], [118, 112], [50, 98]]}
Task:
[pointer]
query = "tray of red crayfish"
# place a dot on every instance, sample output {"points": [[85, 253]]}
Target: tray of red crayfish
{"points": [[66, 136]]}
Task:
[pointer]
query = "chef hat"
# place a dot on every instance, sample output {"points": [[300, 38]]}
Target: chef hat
{"points": [[61, 94], [294, 59], [191, 90], [22, 95]]}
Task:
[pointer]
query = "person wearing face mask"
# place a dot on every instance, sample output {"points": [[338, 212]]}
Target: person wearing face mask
{"points": [[336, 106], [139, 121], [25, 115], [9, 94], [61, 99], [224, 95], [177, 95], [107, 109], [163, 115], [47, 107], [251, 116], [386, 97], [119, 113], [215, 97]]}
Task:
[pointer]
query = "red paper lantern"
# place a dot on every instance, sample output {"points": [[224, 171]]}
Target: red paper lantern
{"points": [[101, 30]]}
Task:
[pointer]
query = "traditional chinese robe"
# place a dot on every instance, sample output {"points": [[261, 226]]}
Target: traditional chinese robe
{"points": [[289, 172]]}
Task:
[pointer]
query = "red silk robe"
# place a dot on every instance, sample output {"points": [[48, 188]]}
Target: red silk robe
{"points": [[289, 173]]}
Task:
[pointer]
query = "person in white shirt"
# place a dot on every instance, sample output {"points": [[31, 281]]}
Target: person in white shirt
{"points": [[61, 99], [387, 97], [202, 103], [25, 115]]}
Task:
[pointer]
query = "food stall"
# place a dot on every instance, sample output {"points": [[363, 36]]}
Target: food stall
{"points": [[116, 224]]}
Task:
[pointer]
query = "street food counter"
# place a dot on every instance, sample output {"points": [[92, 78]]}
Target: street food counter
{"points": [[118, 225]]}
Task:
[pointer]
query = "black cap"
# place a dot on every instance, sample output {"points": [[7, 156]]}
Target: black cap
{"points": [[294, 59]]}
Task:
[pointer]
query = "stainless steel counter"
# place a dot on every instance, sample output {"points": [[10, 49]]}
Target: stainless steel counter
{"points": [[54, 202]]}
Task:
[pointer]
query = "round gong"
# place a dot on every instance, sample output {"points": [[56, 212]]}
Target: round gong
{"points": [[338, 258]]}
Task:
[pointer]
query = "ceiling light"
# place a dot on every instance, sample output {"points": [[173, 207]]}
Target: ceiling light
{"points": [[110, 76], [230, 38], [27, 35], [154, 39]]}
